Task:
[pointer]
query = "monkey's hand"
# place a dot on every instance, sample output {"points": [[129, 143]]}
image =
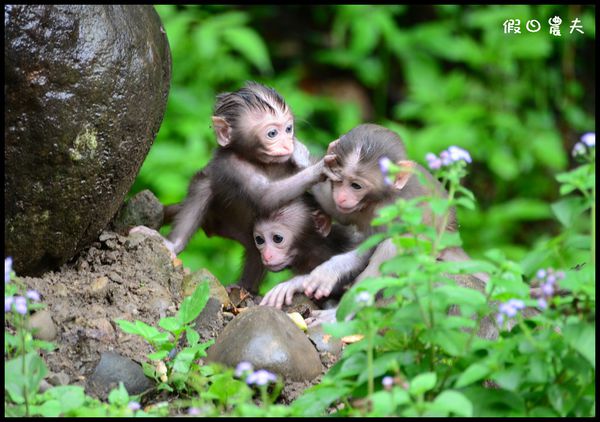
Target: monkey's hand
{"points": [[320, 317], [151, 232], [330, 162], [320, 282], [332, 145], [283, 292]]}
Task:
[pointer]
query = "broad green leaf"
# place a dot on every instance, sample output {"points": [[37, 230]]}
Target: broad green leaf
{"points": [[567, 210], [454, 402], [250, 45], [119, 395], [192, 305], [192, 336], [16, 381], [582, 337], [422, 383], [160, 355], [170, 324], [473, 373]]}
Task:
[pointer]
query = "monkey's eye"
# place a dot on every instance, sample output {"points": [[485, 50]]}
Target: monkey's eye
{"points": [[272, 133], [356, 186], [277, 238], [289, 129], [259, 240]]}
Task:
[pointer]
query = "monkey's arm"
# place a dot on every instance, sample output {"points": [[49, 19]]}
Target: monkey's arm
{"points": [[268, 193], [283, 292], [193, 209], [331, 274]]}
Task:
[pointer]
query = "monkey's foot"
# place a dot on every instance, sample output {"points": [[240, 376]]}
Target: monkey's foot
{"points": [[320, 317], [319, 285], [151, 232], [283, 292]]}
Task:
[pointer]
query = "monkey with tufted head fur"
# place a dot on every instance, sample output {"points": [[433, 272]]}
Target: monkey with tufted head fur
{"points": [[258, 166], [298, 236], [355, 191]]}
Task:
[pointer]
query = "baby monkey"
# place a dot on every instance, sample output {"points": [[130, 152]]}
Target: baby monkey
{"points": [[298, 236], [258, 166]]}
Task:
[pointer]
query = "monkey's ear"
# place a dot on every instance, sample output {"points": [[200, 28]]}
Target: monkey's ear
{"points": [[222, 130], [405, 173], [322, 222], [332, 146]]}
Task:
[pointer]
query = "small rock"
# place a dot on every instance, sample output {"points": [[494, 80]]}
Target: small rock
{"points": [[59, 378], [210, 321], [267, 338], [107, 235], [44, 386], [101, 329], [99, 287], [114, 368], [143, 209], [116, 277], [324, 342], [190, 282], [301, 304], [42, 325]]}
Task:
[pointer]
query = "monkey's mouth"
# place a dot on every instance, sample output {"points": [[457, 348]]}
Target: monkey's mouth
{"points": [[277, 267], [347, 210], [278, 158]]}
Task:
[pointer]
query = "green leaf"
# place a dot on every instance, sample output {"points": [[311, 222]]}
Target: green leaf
{"points": [[568, 210], [192, 305], [250, 45], [119, 396], [582, 337], [183, 360], [160, 355], [473, 373], [16, 381], [224, 388], [454, 402], [422, 383], [509, 379], [439, 206], [170, 324], [192, 336], [317, 399]]}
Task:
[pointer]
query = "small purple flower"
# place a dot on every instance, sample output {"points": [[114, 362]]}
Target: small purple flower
{"points": [[33, 295], [364, 298], [261, 377], [7, 269], [384, 166], [446, 158], [551, 279], [21, 305], [457, 154], [547, 289], [560, 275], [500, 319], [387, 382], [8, 302], [589, 139], [578, 149], [542, 303], [541, 274], [517, 304], [133, 405], [193, 411], [507, 310], [242, 367]]}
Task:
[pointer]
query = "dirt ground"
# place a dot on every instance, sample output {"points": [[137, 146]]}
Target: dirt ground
{"points": [[120, 277]]}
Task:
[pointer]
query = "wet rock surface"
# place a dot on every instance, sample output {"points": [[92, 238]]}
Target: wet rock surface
{"points": [[85, 91], [267, 338]]}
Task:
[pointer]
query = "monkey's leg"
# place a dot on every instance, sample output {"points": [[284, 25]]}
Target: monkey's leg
{"points": [[254, 270], [192, 212], [320, 317]]}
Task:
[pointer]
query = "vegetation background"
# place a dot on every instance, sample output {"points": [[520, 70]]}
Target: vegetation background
{"points": [[437, 75]]}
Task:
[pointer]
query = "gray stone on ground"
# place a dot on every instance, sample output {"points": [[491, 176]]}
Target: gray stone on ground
{"points": [[324, 342], [143, 209], [42, 325], [269, 339], [114, 368]]}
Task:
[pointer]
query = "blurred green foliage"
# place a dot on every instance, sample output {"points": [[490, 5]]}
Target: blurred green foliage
{"points": [[438, 75]]}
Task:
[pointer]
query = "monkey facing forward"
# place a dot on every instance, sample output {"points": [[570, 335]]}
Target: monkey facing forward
{"points": [[258, 166], [299, 236]]}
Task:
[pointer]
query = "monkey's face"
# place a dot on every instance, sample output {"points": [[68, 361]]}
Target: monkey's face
{"points": [[274, 135], [274, 241], [349, 194]]}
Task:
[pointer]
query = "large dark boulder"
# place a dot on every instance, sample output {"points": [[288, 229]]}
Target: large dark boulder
{"points": [[86, 88]]}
